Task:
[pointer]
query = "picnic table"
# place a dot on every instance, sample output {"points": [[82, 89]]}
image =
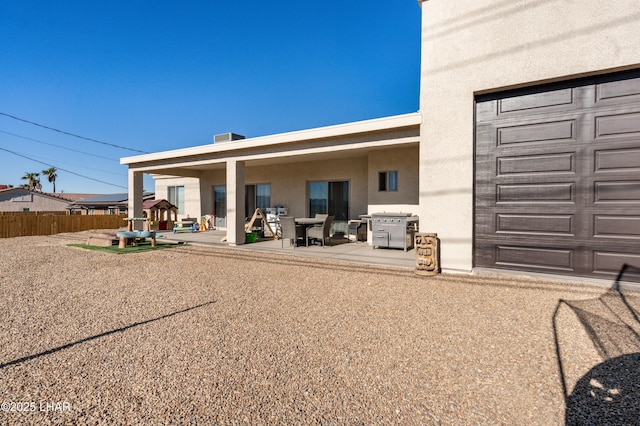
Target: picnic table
{"points": [[188, 224]]}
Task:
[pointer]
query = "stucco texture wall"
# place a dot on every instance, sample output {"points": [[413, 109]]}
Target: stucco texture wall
{"points": [[289, 181], [479, 46], [406, 162], [192, 202], [17, 200]]}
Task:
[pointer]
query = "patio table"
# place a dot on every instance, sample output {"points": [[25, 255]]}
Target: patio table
{"points": [[308, 222]]}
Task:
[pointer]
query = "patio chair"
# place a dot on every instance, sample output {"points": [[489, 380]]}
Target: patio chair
{"points": [[321, 232], [354, 227], [290, 231]]}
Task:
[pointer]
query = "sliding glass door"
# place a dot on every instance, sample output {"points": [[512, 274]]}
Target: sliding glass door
{"points": [[330, 198], [256, 197], [220, 205]]}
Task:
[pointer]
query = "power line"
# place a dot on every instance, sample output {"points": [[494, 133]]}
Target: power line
{"points": [[58, 146], [120, 174], [59, 168], [72, 134]]}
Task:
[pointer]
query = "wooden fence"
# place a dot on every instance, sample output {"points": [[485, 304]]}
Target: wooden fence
{"points": [[48, 223]]}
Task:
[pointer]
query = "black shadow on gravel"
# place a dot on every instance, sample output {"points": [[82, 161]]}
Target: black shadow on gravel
{"points": [[97, 336], [610, 392]]}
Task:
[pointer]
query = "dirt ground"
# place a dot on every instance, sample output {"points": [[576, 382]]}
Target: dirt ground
{"points": [[204, 335]]}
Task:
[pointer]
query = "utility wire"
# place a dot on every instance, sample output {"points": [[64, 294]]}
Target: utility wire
{"points": [[58, 146], [120, 174], [72, 134], [59, 168]]}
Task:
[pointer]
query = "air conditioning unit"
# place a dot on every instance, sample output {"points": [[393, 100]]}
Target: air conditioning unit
{"points": [[227, 137]]}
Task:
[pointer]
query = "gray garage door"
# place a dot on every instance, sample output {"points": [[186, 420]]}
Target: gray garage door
{"points": [[558, 178]]}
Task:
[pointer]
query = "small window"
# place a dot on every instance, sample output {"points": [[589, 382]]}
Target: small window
{"points": [[388, 181], [25, 209]]}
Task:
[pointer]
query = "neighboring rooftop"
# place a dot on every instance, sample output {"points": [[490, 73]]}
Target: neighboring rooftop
{"points": [[110, 198], [66, 196]]}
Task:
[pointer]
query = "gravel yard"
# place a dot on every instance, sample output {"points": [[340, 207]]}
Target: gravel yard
{"points": [[202, 335]]}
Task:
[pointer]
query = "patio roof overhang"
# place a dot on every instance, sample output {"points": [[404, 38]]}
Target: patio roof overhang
{"points": [[343, 141]]}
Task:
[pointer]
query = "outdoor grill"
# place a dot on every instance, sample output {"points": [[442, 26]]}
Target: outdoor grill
{"points": [[393, 230]]}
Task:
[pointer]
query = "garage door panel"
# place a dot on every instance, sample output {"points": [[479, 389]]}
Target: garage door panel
{"points": [[559, 131], [618, 160], [520, 255], [611, 262], [536, 101], [613, 192], [612, 226], [486, 111], [536, 193], [556, 259], [557, 178], [532, 164], [535, 224], [623, 124], [617, 92]]}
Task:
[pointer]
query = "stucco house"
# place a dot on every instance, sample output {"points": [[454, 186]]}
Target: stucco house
{"points": [[117, 203], [524, 155], [21, 199]]}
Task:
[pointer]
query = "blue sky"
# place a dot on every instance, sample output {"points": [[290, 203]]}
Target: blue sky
{"points": [[161, 75]]}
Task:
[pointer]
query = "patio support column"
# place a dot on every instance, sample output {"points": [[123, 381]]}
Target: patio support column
{"points": [[135, 196], [235, 202]]}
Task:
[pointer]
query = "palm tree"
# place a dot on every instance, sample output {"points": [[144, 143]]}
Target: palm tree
{"points": [[51, 176], [33, 181]]}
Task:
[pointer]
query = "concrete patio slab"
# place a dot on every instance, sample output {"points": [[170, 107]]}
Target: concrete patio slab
{"points": [[360, 252]]}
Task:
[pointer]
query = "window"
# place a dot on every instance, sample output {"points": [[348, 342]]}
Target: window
{"points": [[257, 197], [176, 197], [388, 181], [25, 209]]}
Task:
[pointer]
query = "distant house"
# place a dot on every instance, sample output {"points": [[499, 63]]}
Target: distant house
{"points": [[105, 204], [25, 200]]}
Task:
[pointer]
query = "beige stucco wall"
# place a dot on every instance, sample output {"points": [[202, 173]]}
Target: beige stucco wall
{"points": [[479, 46], [289, 182], [406, 198], [192, 204]]}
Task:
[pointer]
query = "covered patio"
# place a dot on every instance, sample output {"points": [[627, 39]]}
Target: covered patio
{"points": [[339, 250], [345, 164]]}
